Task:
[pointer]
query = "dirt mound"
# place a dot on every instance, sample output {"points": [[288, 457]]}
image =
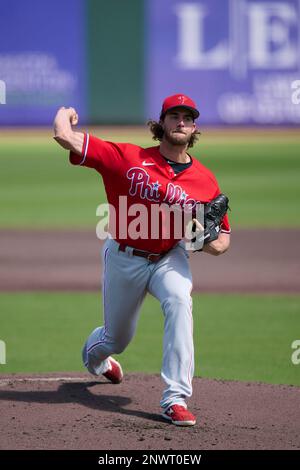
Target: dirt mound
{"points": [[76, 412]]}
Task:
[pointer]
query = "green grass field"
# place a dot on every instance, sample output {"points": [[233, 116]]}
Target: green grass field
{"points": [[40, 189], [236, 337]]}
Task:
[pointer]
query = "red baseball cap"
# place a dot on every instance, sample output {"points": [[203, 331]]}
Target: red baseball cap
{"points": [[181, 101]]}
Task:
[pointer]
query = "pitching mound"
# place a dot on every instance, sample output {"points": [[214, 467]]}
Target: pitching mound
{"points": [[73, 411]]}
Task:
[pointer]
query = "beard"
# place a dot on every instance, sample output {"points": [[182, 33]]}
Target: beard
{"points": [[177, 138]]}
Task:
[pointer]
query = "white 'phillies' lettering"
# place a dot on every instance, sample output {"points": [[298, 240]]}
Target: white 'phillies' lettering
{"points": [[140, 182], [176, 195], [140, 185]]}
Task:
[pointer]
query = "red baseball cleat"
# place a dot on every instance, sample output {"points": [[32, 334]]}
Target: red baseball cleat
{"points": [[114, 374], [179, 415]]}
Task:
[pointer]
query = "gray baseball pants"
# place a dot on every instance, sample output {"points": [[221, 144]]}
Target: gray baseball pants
{"points": [[126, 281]]}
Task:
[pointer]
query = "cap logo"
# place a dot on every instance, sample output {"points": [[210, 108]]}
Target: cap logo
{"points": [[181, 99]]}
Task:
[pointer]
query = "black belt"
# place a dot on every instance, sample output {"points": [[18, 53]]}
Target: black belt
{"points": [[153, 257]]}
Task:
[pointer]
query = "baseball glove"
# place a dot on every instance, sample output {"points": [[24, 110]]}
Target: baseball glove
{"points": [[214, 211]]}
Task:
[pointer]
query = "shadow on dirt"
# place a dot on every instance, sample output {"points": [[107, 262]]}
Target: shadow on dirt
{"points": [[78, 392]]}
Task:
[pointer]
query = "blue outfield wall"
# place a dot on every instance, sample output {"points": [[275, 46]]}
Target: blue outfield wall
{"points": [[42, 59], [239, 59]]}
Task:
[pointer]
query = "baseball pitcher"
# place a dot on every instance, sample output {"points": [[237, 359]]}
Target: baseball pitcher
{"points": [[154, 260]]}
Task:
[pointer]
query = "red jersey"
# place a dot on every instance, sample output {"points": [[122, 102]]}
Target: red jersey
{"points": [[144, 177]]}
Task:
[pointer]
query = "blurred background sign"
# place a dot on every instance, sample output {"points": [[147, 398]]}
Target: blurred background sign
{"points": [[115, 64], [42, 59], [237, 58]]}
